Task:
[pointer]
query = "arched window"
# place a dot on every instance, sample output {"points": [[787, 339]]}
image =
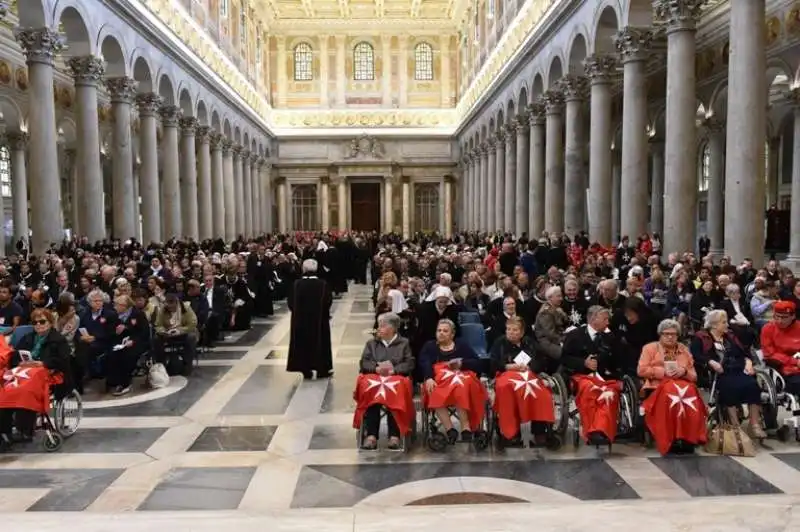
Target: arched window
{"points": [[304, 208], [363, 62], [423, 62], [5, 172], [426, 206], [705, 169], [303, 60]]}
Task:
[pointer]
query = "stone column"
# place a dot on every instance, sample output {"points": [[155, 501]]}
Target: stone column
{"points": [[600, 69], [716, 177], [476, 189], [386, 69], [509, 186], [148, 105], [205, 210], [746, 129], [491, 196], [188, 185], [170, 174], [633, 45], [324, 71], [536, 169], [229, 194], [238, 191], [40, 46], [445, 78], [448, 206], [499, 183], [794, 221], [266, 181], [18, 142], [616, 195], [657, 187], [575, 89], [324, 192], [554, 163], [217, 195], [122, 92], [71, 159], [680, 148], [341, 74], [341, 190], [406, 208], [247, 187], [483, 193], [283, 220], [402, 46], [137, 215], [388, 204], [256, 201], [522, 181], [282, 77]]}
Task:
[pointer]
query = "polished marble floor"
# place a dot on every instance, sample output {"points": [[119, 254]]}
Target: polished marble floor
{"points": [[244, 440]]}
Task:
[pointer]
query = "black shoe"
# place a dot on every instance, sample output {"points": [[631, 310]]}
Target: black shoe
{"points": [[308, 376], [452, 436], [597, 439], [466, 436]]}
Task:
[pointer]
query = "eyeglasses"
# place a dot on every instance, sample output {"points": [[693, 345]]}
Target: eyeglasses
{"points": [[669, 334], [41, 322]]}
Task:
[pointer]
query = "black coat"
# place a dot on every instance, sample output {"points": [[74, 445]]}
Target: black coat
{"points": [[310, 335], [578, 345], [54, 354], [503, 353]]}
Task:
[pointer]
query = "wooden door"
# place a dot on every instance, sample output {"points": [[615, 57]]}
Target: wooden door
{"points": [[365, 206]]}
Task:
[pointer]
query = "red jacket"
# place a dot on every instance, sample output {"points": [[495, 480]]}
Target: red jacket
{"points": [[780, 345]]}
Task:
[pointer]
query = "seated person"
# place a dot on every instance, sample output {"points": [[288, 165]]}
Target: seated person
{"points": [[590, 353], [721, 352], [637, 329], [200, 305], [11, 314], [40, 361], [386, 365], [780, 343], [449, 369], [674, 412], [497, 323], [217, 300], [551, 323], [739, 315], [96, 336], [520, 396], [176, 323], [132, 338]]}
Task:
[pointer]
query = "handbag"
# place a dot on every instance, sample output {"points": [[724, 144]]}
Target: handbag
{"points": [[157, 376], [729, 440]]}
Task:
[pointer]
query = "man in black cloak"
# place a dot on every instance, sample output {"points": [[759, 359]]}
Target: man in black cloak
{"points": [[310, 333]]}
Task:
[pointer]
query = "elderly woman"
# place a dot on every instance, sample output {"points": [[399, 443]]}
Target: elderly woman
{"points": [[739, 316], [675, 413], [762, 303], [95, 337], [132, 338], [551, 324], [721, 352], [450, 373], [440, 306], [41, 359], [386, 363]]}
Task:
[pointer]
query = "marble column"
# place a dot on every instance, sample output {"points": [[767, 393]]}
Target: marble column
{"points": [[476, 190], [256, 200], [522, 182], [170, 174], [188, 184], [266, 182], [324, 71], [509, 186], [283, 198], [794, 216], [657, 186], [448, 206], [148, 105], [536, 170], [18, 142], [600, 69], [575, 90], [341, 74], [217, 194], [746, 129], [406, 208], [71, 159], [324, 192], [491, 196], [282, 77], [633, 45], [341, 190], [87, 71], [483, 193], [205, 210], [137, 215], [238, 191], [499, 184], [122, 91], [462, 189], [388, 204], [40, 46], [716, 176], [680, 147], [616, 195], [246, 204], [386, 70], [554, 163], [229, 194]]}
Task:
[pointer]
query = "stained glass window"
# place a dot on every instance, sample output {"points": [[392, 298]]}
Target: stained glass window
{"points": [[363, 62], [423, 62], [303, 60]]}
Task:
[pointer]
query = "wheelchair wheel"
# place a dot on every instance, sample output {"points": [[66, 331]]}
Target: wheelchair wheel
{"points": [[554, 442], [560, 404], [437, 442], [68, 414], [769, 400], [52, 441], [783, 433]]}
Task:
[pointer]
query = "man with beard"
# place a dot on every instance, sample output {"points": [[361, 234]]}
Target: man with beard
{"points": [[574, 306], [310, 331]]}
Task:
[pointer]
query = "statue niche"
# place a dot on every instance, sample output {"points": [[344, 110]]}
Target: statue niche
{"points": [[365, 146]]}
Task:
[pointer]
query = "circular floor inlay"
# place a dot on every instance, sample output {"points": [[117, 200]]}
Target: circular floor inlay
{"points": [[465, 498], [93, 398]]}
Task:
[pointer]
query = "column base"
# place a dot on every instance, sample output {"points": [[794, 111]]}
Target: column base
{"points": [[792, 262], [716, 252]]}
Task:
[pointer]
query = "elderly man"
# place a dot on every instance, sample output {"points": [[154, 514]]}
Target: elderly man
{"points": [[310, 334], [176, 323]]}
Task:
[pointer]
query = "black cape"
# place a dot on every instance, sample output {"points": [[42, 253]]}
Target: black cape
{"points": [[310, 333]]}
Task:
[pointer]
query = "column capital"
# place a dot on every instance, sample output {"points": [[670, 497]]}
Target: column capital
{"points": [[227, 146], [203, 134], [244, 154], [492, 142], [574, 88], [188, 125], [536, 112], [254, 158], [713, 125], [521, 124], [148, 103], [484, 149], [600, 68], [656, 143], [170, 115], [215, 139], [121, 89], [87, 70], [511, 133], [553, 101], [633, 43], [793, 97], [340, 39], [18, 140], [500, 137], [474, 155], [237, 149], [679, 15], [40, 45]]}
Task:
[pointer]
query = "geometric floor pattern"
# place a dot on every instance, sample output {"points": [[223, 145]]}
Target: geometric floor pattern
{"points": [[242, 439]]}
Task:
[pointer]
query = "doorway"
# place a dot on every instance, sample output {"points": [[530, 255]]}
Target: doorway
{"points": [[365, 206]]}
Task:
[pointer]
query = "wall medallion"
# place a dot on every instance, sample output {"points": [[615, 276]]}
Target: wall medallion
{"points": [[21, 77]]}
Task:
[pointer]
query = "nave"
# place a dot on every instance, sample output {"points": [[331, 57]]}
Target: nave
{"points": [[244, 442]]}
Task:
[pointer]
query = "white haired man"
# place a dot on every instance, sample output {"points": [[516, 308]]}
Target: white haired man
{"points": [[310, 334]]}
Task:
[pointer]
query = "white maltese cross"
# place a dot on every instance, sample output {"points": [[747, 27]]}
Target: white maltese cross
{"points": [[383, 384], [681, 400], [530, 384], [13, 377], [454, 376], [606, 393]]}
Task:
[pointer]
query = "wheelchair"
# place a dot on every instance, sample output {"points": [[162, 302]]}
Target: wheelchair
{"points": [[630, 418], [62, 421], [406, 442], [770, 403], [774, 397], [436, 439]]}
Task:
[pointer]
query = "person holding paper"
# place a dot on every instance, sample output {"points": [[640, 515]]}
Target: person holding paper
{"points": [[96, 336], [131, 339], [674, 411], [520, 396]]}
